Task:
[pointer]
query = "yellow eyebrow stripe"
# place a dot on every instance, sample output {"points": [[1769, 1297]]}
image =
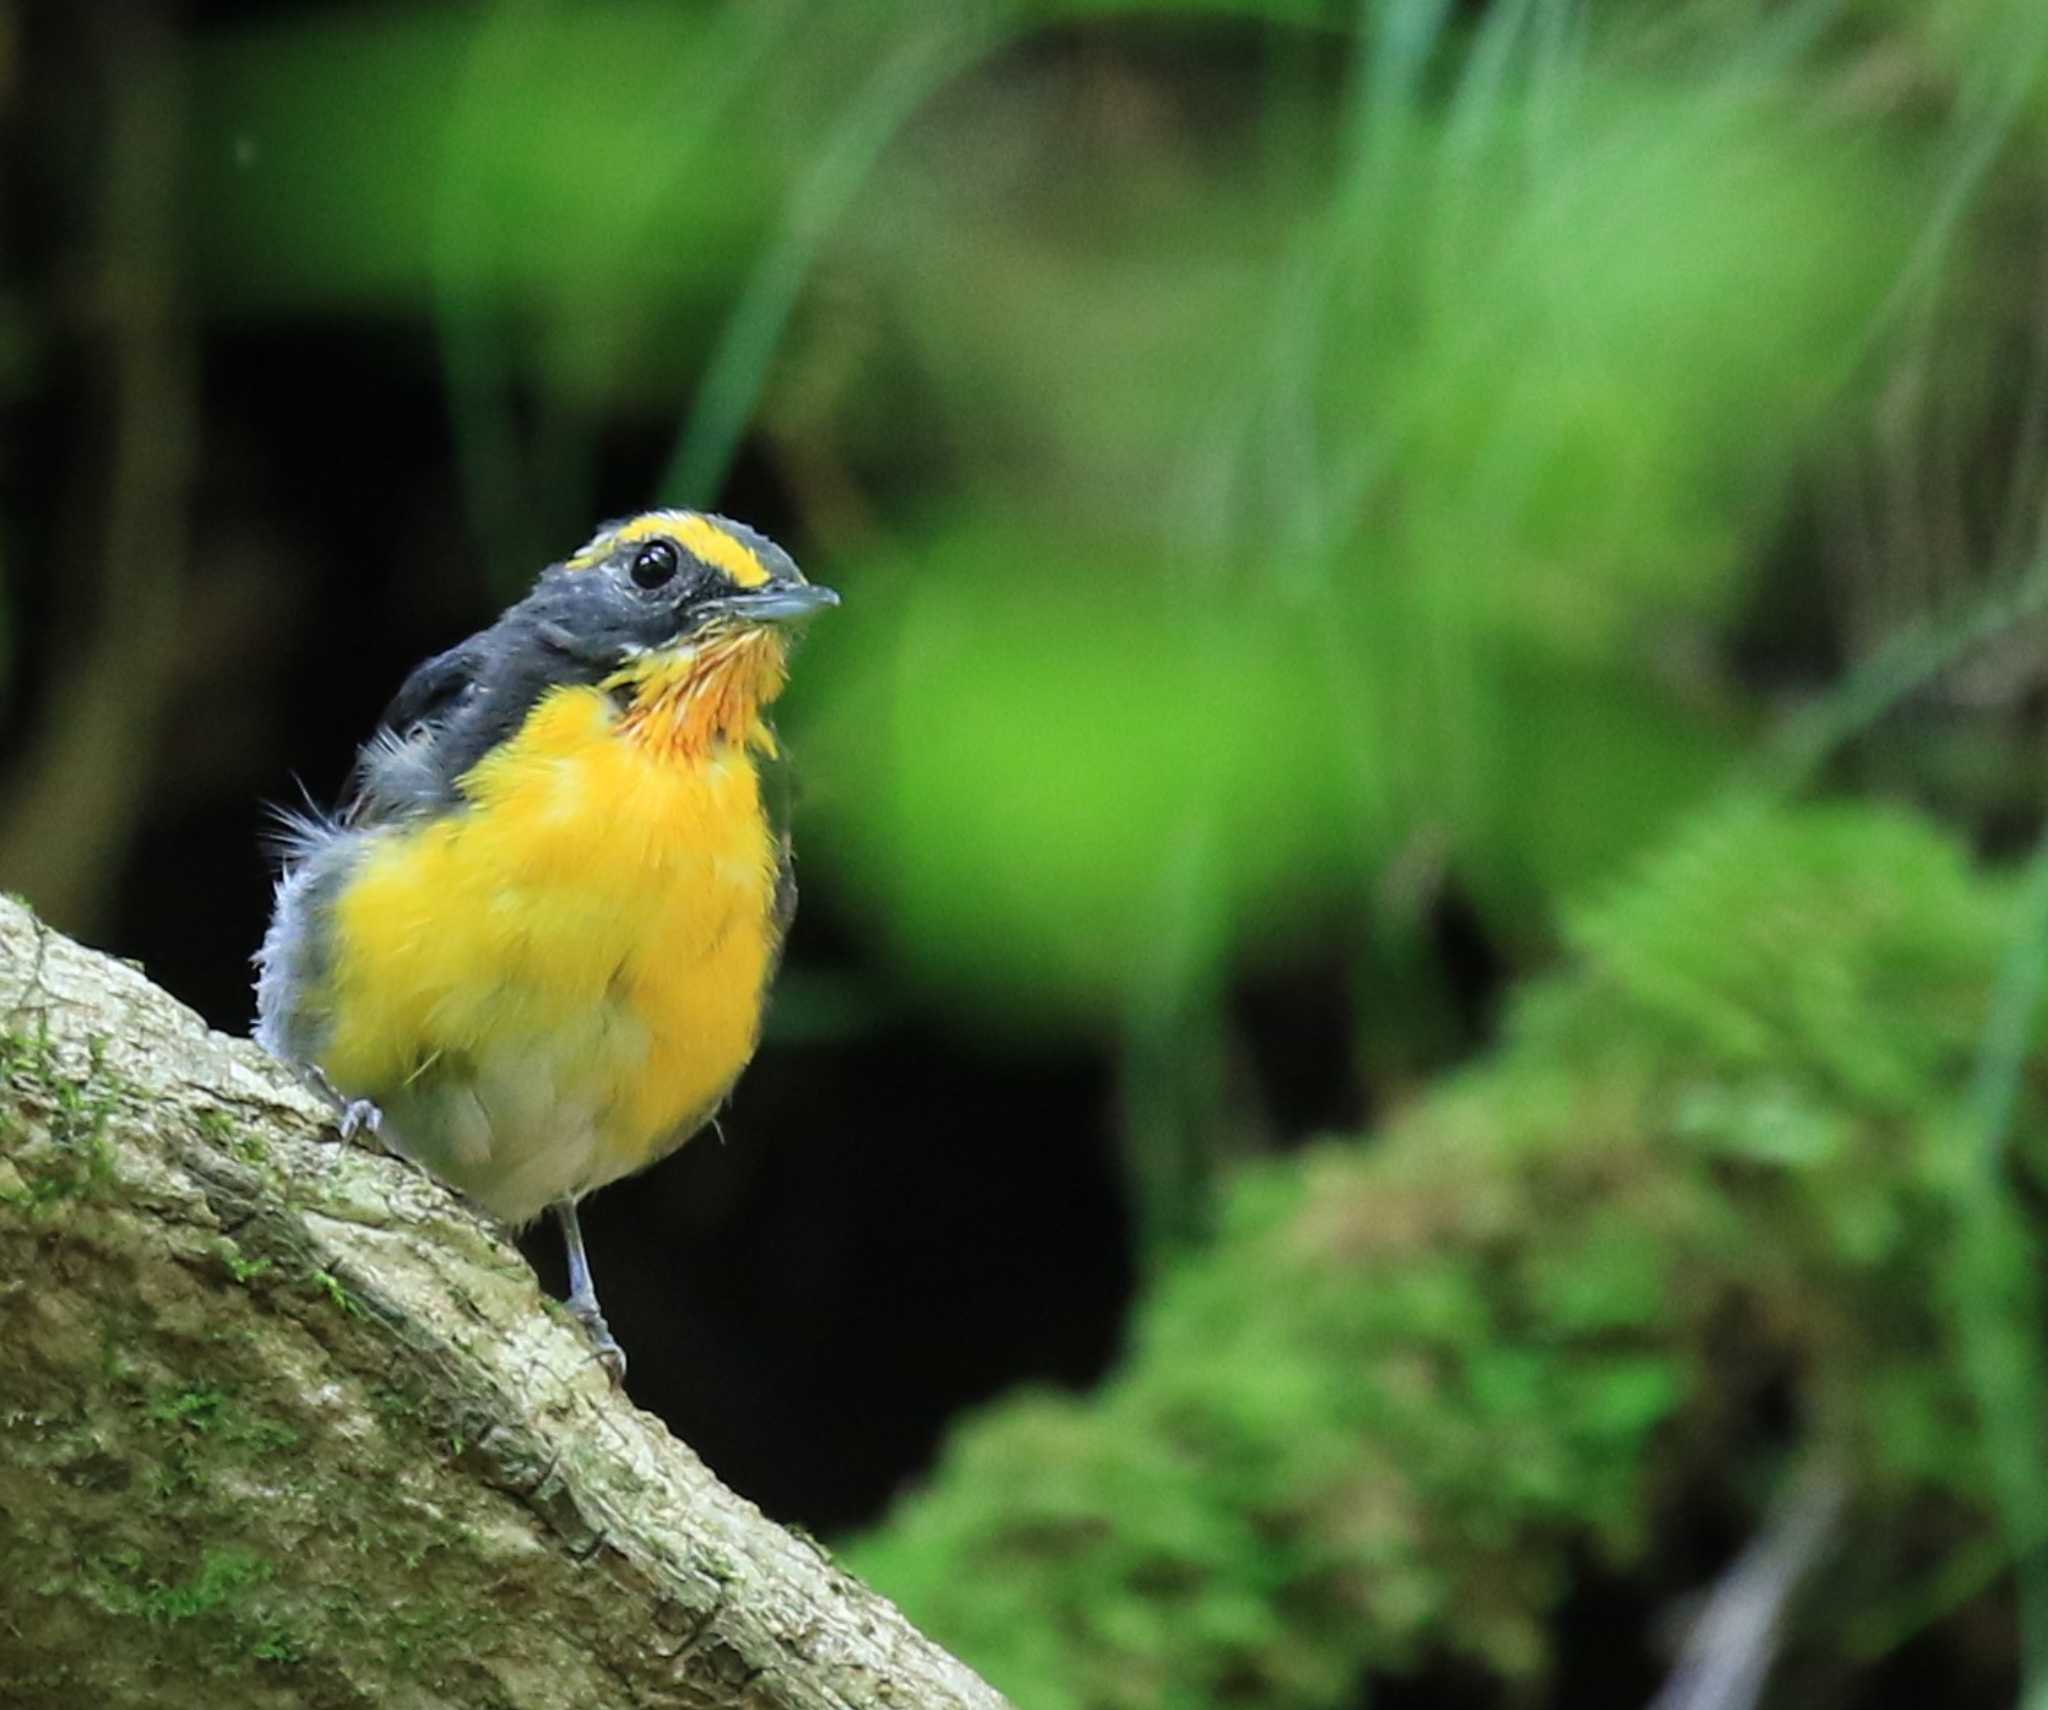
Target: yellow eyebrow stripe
{"points": [[712, 544], [696, 534]]}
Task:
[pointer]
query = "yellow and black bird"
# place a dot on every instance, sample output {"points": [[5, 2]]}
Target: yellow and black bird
{"points": [[534, 946]]}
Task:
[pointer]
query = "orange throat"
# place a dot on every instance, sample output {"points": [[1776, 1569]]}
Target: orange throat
{"points": [[712, 693]]}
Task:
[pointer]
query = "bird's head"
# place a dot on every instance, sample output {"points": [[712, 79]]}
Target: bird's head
{"points": [[688, 616]]}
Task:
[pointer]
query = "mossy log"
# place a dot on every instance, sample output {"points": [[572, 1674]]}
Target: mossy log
{"points": [[282, 1418]]}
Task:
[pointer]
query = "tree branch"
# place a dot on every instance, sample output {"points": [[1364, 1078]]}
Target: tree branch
{"points": [[282, 1417]]}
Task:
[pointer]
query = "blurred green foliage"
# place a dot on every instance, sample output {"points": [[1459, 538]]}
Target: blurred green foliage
{"points": [[540, 159], [1529, 456], [1412, 1387]]}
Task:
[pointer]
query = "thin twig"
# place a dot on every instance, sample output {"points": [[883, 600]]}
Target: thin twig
{"points": [[1729, 1653]]}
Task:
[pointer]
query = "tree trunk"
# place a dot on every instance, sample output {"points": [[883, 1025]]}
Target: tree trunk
{"points": [[282, 1420]]}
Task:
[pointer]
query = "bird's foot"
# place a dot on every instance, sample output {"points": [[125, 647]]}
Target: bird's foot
{"points": [[602, 1342], [359, 1116]]}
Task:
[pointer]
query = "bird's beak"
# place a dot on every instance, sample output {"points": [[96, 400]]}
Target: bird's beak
{"points": [[784, 604]]}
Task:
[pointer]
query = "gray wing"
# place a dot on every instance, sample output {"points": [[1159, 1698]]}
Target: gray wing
{"points": [[398, 771], [395, 775], [461, 704], [445, 717]]}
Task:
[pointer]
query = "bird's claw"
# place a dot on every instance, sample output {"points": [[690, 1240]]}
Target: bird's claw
{"points": [[359, 1116], [602, 1342]]}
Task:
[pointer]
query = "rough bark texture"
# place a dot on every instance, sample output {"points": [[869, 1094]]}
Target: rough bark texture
{"points": [[281, 1418]]}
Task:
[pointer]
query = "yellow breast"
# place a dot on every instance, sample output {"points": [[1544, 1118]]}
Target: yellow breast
{"points": [[548, 988]]}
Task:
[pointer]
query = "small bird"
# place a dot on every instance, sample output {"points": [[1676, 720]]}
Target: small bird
{"points": [[533, 947]]}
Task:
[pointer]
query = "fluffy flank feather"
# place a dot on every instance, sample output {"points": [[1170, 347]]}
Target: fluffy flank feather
{"points": [[294, 835]]}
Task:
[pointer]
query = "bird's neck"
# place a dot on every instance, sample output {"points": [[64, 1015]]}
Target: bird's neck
{"points": [[690, 702]]}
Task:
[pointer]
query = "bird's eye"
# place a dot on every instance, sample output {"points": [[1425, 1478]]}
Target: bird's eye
{"points": [[655, 564]]}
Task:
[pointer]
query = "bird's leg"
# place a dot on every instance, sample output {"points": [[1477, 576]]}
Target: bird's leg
{"points": [[582, 1299]]}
